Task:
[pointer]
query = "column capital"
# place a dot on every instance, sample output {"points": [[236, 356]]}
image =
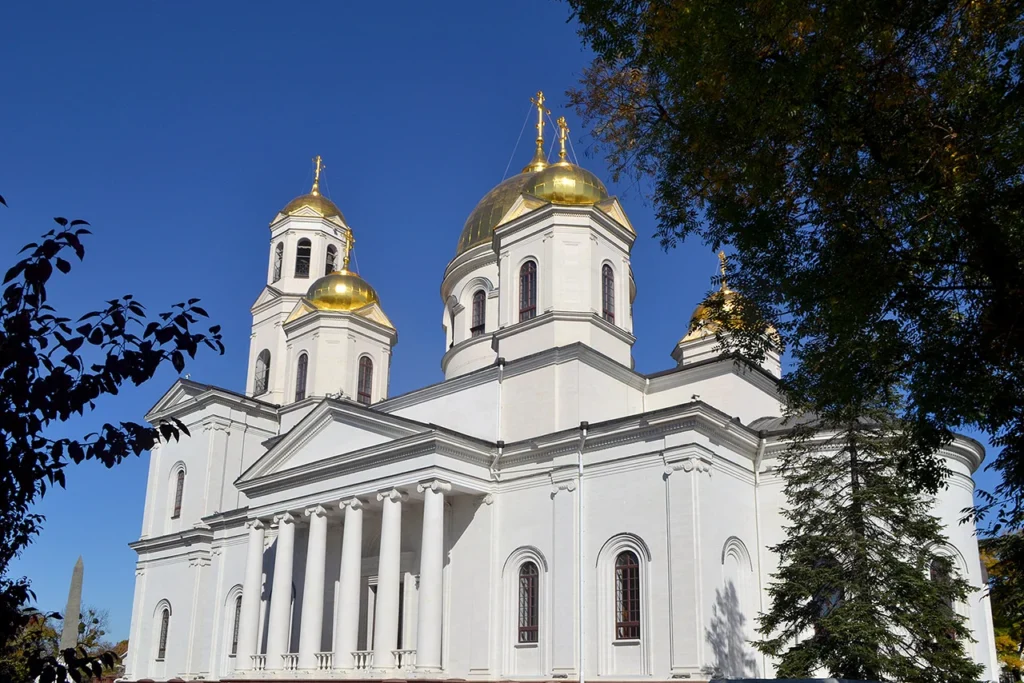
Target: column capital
{"points": [[284, 518], [255, 524], [316, 510], [435, 485], [393, 494], [352, 504]]}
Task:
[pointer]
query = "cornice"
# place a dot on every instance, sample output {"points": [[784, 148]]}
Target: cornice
{"points": [[178, 539], [537, 218], [465, 264], [200, 396], [455, 349], [349, 318], [564, 316]]}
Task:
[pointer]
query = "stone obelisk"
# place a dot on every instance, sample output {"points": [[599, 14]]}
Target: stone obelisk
{"points": [[73, 611]]}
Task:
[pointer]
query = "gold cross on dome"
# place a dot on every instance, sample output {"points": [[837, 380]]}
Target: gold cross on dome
{"points": [[320, 166], [563, 134], [349, 243], [721, 267], [538, 101]]}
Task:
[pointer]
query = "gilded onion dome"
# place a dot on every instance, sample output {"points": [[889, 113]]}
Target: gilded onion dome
{"points": [[320, 204], [341, 290], [565, 183], [703, 321]]}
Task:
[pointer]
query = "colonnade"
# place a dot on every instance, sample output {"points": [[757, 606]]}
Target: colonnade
{"points": [[345, 656]]}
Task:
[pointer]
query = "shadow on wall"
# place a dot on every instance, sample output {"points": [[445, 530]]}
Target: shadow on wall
{"points": [[727, 637]]}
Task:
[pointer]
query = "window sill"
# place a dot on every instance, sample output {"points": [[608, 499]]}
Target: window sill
{"points": [[526, 646], [626, 642], [159, 659]]}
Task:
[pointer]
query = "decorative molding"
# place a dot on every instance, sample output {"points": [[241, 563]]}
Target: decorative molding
{"points": [[352, 504], [255, 524], [435, 485], [315, 511], [284, 518], [488, 499]]}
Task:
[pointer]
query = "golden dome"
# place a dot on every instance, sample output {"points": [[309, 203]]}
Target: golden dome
{"points": [[702, 321], [341, 291], [495, 204], [565, 183], [323, 206]]}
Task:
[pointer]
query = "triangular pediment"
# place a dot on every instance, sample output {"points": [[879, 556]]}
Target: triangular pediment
{"points": [[613, 209], [375, 313], [301, 308], [332, 428], [269, 293], [523, 205], [180, 392]]}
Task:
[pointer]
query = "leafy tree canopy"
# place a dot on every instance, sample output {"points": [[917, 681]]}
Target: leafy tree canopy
{"points": [[53, 367]]}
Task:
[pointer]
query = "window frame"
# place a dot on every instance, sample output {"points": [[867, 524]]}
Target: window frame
{"points": [[303, 261], [165, 623], [608, 293], [235, 627], [528, 633], [179, 491], [479, 314], [261, 379], [628, 623], [277, 270], [364, 381], [528, 290], [331, 259], [301, 375]]}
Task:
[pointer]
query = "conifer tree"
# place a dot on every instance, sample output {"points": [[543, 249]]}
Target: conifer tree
{"points": [[863, 590]]}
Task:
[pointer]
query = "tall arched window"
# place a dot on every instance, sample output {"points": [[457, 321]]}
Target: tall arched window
{"points": [[234, 628], [940, 572], [479, 313], [165, 622], [331, 263], [179, 489], [278, 261], [262, 379], [627, 596], [365, 380], [528, 291], [608, 293], [303, 253], [528, 601], [300, 376]]}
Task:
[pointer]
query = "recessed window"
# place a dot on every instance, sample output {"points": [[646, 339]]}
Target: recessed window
{"points": [[608, 293], [365, 389], [331, 262], [301, 368], [234, 629], [303, 253], [479, 313], [179, 490], [261, 382], [627, 596], [528, 602], [278, 261], [165, 622], [528, 291]]}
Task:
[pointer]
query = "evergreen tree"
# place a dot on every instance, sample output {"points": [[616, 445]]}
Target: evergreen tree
{"points": [[863, 591]]}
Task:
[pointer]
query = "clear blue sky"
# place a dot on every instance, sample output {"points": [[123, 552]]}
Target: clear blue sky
{"points": [[180, 129]]}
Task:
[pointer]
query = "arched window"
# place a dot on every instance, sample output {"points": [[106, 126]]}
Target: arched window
{"points": [[528, 291], [300, 377], [179, 489], [479, 313], [528, 600], [365, 380], [278, 261], [262, 380], [234, 629], [608, 293], [331, 263], [165, 622], [302, 256], [829, 597], [940, 572], [627, 596]]}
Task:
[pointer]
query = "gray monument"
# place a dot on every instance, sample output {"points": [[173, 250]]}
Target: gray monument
{"points": [[73, 611]]}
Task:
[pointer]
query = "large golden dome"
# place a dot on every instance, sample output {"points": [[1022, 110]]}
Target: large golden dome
{"points": [[565, 183], [341, 290], [495, 204]]}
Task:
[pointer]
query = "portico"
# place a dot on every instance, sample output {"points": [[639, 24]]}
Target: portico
{"points": [[384, 652]]}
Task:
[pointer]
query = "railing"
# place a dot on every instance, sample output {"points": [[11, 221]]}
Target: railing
{"points": [[404, 659], [289, 661], [362, 659], [259, 662], [324, 661]]}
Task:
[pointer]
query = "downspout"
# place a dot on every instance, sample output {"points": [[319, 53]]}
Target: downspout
{"points": [[761, 439], [643, 396], [579, 545], [497, 430]]}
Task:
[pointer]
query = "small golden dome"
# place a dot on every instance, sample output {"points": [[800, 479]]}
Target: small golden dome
{"points": [[702, 321], [341, 291], [323, 206], [565, 183]]}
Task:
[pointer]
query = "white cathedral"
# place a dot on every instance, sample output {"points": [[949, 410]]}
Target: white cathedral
{"points": [[544, 512]]}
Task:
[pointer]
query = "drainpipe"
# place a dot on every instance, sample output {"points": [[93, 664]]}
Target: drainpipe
{"points": [[497, 431], [579, 545], [761, 439]]}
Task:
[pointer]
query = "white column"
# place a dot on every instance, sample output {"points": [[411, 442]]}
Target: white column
{"points": [[278, 635], [428, 627], [347, 629], [312, 621], [385, 622], [252, 587]]}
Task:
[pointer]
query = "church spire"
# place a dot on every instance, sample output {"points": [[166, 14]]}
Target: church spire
{"points": [[316, 175], [539, 161]]}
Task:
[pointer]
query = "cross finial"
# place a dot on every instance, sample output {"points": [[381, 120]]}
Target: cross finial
{"points": [[563, 134], [320, 166], [721, 267], [538, 101], [349, 243]]}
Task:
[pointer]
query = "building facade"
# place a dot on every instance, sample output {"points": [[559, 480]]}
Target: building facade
{"points": [[543, 496]]}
